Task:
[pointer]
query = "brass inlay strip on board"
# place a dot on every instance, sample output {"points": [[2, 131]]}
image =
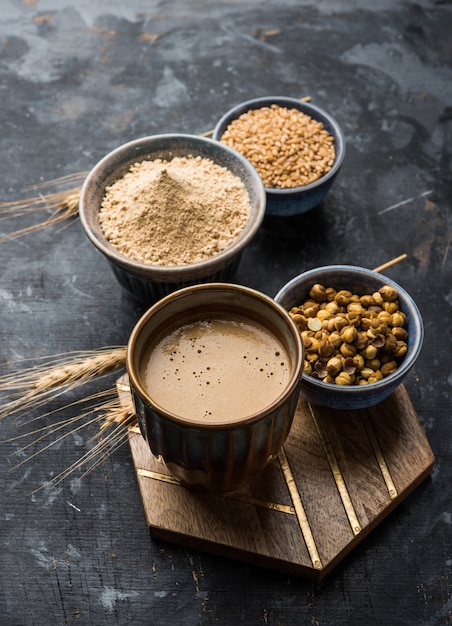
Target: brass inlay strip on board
{"points": [[164, 478], [337, 474], [273, 506], [384, 469], [299, 510]]}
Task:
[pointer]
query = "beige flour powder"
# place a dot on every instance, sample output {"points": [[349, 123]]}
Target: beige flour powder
{"points": [[174, 212]]}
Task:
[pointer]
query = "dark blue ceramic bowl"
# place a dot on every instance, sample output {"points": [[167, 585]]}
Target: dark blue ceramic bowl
{"points": [[286, 202], [362, 281], [148, 283]]}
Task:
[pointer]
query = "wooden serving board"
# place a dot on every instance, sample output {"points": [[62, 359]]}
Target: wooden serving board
{"points": [[338, 476]]}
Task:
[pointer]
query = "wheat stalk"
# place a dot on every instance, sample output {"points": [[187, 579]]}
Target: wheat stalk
{"points": [[63, 204], [390, 263], [119, 420], [112, 417], [31, 388], [90, 365], [34, 387], [40, 432]]}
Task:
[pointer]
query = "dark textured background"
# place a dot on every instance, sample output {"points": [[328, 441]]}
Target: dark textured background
{"points": [[79, 78]]}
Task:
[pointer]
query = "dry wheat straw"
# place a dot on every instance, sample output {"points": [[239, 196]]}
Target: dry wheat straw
{"points": [[40, 432], [119, 420], [33, 387], [112, 418], [390, 263], [62, 204]]}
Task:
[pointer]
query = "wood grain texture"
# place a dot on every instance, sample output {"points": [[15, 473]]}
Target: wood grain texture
{"points": [[332, 484]]}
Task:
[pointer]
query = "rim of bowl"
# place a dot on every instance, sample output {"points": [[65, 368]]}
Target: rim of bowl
{"points": [[231, 287], [417, 332], [305, 107], [168, 272]]}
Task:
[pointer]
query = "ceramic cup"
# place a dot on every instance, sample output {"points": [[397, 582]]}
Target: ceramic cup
{"points": [[215, 456]]}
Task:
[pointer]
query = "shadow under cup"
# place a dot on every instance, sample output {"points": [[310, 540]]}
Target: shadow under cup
{"points": [[214, 456]]}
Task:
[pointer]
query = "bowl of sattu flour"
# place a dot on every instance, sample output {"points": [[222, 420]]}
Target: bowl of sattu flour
{"points": [[169, 211]]}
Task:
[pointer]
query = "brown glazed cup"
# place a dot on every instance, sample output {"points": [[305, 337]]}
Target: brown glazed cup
{"points": [[214, 457]]}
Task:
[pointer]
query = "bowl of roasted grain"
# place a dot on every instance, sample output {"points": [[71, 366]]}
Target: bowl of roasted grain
{"points": [[296, 147], [170, 211], [362, 334]]}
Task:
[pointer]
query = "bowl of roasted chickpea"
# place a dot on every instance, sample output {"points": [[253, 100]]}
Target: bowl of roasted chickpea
{"points": [[362, 334]]}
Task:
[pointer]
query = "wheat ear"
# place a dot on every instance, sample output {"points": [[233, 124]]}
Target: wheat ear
{"points": [[29, 388], [32, 387], [63, 205]]}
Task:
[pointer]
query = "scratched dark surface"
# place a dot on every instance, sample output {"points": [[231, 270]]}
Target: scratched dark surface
{"points": [[79, 78]]}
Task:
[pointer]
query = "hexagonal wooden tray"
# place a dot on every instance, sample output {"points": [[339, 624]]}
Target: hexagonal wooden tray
{"points": [[339, 475]]}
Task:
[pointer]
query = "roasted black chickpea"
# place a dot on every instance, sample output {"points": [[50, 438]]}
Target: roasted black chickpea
{"points": [[351, 339]]}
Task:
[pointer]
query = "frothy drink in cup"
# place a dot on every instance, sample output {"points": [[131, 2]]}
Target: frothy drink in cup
{"points": [[220, 367], [214, 372]]}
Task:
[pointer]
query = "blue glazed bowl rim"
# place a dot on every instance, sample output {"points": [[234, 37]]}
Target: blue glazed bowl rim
{"points": [[416, 330], [163, 273], [305, 107]]}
